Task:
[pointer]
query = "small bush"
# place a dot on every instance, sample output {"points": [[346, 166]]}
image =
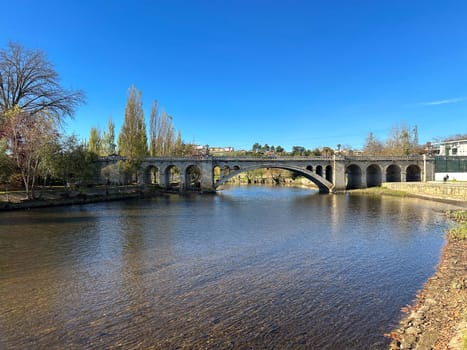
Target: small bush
{"points": [[457, 215], [458, 233]]}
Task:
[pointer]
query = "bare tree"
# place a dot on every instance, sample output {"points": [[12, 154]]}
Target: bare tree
{"points": [[373, 146], [162, 134], [29, 81]]}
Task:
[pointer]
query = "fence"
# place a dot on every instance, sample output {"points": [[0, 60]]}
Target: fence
{"points": [[450, 164]]}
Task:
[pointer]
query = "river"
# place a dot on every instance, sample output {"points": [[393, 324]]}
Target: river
{"points": [[250, 267]]}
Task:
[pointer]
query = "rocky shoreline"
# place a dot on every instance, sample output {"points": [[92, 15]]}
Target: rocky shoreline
{"points": [[438, 317]]}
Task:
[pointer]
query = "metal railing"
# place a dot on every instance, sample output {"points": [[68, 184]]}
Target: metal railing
{"points": [[451, 164]]}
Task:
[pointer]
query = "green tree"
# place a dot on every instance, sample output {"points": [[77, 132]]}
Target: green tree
{"points": [[7, 166], [406, 143], [108, 140], [298, 150], [256, 147], [316, 152], [178, 146], [94, 144], [50, 154], [73, 164], [132, 140]]}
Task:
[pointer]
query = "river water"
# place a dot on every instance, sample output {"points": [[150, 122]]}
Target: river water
{"points": [[251, 267]]}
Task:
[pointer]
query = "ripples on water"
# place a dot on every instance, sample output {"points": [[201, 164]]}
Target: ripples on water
{"points": [[252, 267]]}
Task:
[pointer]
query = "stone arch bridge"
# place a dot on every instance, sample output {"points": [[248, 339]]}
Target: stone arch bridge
{"points": [[330, 174]]}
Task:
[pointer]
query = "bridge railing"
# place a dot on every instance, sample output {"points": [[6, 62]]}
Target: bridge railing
{"points": [[168, 159], [270, 158], [384, 158], [115, 158]]}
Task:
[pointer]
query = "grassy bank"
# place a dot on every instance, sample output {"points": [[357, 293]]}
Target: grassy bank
{"points": [[459, 232], [378, 191]]}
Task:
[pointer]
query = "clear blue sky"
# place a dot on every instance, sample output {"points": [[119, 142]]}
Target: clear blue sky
{"points": [[232, 73]]}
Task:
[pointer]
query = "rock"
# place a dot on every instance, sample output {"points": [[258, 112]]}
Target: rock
{"points": [[412, 331], [408, 342], [427, 341]]}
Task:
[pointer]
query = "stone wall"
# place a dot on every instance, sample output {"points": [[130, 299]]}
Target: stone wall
{"points": [[452, 176], [441, 190]]}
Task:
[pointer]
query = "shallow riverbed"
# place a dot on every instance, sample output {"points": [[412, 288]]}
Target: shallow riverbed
{"points": [[251, 267]]}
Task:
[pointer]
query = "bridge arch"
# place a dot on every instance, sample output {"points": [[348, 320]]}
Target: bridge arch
{"points": [[172, 177], [324, 185], [393, 173], [309, 168], [193, 177], [319, 170], [328, 172], [152, 175], [413, 173], [225, 170], [373, 175], [353, 176]]}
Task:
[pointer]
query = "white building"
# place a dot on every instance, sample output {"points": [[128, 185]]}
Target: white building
{"points": [[451, 160], [451, 148]]}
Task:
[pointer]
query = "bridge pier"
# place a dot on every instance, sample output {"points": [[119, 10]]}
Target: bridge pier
{"points": [[403, 176], [207, 177], [182, 187], [163, 181], [364, 179], [338, 175]]}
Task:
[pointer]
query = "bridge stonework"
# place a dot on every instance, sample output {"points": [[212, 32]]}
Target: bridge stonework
{"points": [[330, 174]]}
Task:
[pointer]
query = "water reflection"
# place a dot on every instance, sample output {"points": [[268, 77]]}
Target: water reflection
{"points": [[252, 267]]}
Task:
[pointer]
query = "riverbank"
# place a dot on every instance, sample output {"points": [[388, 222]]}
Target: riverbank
{"points": [[452, 191], [57, 196], [438, 317], [417, 191]]}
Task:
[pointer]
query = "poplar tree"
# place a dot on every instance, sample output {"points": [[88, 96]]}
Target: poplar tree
{"points": [[108, 139], [162, 133], [153, 130], [94, 145], [132, 140]]}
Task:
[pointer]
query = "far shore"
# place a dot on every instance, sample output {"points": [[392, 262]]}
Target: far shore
{"points": [[58, 196]]}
